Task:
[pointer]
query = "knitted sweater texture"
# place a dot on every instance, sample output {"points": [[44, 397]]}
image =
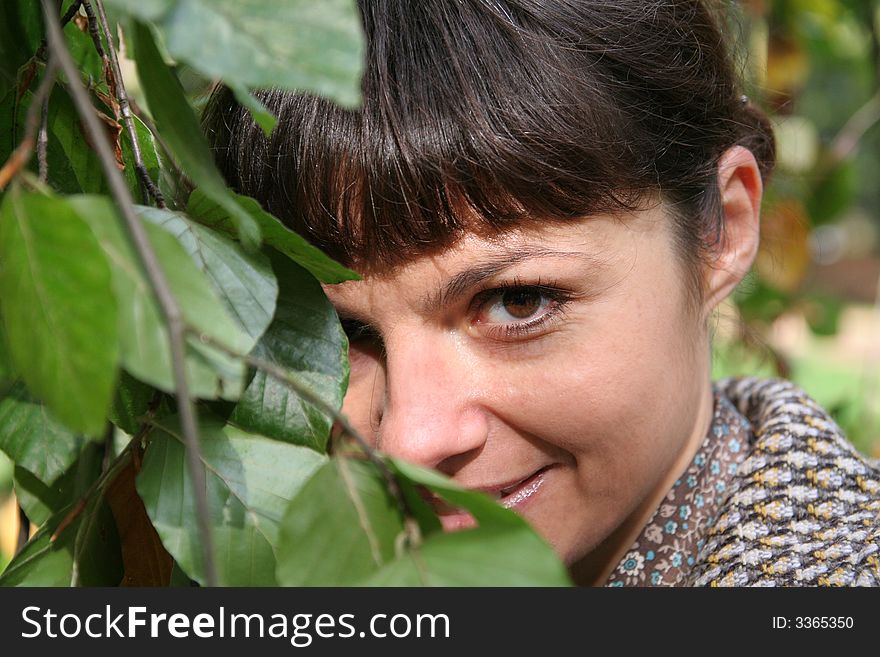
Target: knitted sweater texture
{"points": [[776, 496]]}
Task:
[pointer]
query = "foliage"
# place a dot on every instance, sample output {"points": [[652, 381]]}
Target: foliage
{"points": [[802, 53], [87, 345], [814, 67]]}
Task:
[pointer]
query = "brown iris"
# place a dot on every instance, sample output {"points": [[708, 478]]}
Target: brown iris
{"points": [[521, 303]]}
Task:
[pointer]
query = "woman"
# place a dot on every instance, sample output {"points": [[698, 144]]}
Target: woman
{"points": [[547, 201]]}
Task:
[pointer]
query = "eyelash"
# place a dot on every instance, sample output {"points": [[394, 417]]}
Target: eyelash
{"points": [[557, 297], [358, 331]]}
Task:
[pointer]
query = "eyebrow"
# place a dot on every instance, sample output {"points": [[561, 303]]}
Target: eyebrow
{"points": [[462, 282]]}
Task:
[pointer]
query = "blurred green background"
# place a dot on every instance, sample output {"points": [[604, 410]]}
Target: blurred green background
{"points": [[810, 311]]}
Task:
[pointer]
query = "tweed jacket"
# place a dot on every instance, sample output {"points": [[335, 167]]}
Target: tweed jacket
{"points": [[775, 496]]}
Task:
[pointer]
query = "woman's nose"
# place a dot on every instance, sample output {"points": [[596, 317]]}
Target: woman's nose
{"points": [[430, 414]]}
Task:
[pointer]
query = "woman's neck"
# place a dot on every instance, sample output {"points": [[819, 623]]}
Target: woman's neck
{"points": [[595, 568]]}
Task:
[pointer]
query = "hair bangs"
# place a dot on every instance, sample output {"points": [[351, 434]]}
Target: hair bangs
{"points": [[440, 145], [485, 115]]}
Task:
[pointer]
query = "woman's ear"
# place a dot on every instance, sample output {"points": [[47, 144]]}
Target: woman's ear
{"points": [[741, 189]]}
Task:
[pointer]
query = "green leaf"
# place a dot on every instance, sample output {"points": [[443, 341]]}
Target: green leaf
{"points": [[502, 551], [347, 503], [6, 371], [11, 120], [250, 480], [58, 308], [89, 545], [341, 528], [481, 506], [7, 467], [73, 166], [275, 234], [33, 439], [264, 118], [484, 556], [145, 351], [40, 563], [149, 156], [130, 404], [41, 500], [833, 193], [305, 337], [20, 28], [757, 300], [296, 44], [82, 49], [178, 125], [38, 500], [147, 10], [244, 281], [822, 312]]}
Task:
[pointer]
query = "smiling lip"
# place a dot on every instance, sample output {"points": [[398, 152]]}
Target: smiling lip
{"points": [[512, 495]]}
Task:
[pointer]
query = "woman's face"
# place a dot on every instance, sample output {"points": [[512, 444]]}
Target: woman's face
{"points": [[559, 369]]}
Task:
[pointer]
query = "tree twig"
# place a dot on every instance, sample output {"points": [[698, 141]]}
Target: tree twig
{"points": [[303, 390], [148, 186], [159, 283], [94, 31], [851, 133], [170, 163], [72, 11], [131, 450], [43, 140], [68, 16], [22, 154]]}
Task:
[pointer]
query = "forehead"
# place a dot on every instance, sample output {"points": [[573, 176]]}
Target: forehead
{"points": [[532, 235], [595, 243]]}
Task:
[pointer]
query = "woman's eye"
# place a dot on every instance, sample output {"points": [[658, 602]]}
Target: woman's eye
{"points": [[357, 331], [516, 305], [365, 344], [517, 311]]}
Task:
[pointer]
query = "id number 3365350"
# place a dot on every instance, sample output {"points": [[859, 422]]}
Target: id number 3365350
{"points": [[813, 622]]}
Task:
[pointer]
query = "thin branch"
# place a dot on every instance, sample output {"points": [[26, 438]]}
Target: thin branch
{"points": [[300, 388], [303, 390], [93, 31], [93, 496], [847, 139], [22, 154], [159, 283], [130, 451], [851, 133], [165, 151], [109, 472], [149, 187], [32, 183], [43, 140], [72, 11]]}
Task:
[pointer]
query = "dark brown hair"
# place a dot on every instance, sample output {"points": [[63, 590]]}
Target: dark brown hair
{"points": [[484, 114]]}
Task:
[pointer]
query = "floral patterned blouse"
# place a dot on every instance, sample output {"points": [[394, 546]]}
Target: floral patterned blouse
{"points": [[774, 496]]}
